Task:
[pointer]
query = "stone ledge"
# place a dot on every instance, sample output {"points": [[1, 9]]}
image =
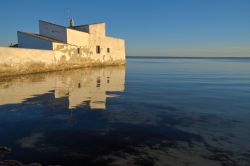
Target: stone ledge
{"points": [[30, 68]]}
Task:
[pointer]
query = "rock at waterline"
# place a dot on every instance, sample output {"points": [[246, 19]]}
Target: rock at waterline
{"points": [[10, 163], [4, 150], [16, 163]]}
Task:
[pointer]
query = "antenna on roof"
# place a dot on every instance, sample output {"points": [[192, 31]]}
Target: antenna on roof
{"points": [[70, 20], [68, 17]]}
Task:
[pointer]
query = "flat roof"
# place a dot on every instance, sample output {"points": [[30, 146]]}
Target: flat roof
{"points": [[90, 24], [73, 26]]}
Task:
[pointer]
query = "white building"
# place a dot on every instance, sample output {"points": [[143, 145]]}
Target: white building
{"points": [[76, 43], [57, 48]]}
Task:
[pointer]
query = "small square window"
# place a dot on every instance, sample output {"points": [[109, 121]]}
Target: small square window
{"points": [[98, 49], [108, 50]]}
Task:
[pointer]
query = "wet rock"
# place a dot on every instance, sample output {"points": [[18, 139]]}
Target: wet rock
{"points": [[10, 163], [4, 150], [16, 163], [34, 164]]}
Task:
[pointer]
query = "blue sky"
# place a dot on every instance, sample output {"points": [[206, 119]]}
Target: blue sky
{"points": [[150, 27]]}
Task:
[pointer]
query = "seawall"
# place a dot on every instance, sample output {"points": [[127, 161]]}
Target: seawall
{"points": [[15, 61]]}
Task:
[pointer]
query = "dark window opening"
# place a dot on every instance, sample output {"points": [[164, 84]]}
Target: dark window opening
{"points": [[98, 82], [98, 49], [108, 50], [78, 50]]}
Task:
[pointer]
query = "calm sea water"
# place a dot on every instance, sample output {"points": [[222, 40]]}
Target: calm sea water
{"points": [[154, 111]]}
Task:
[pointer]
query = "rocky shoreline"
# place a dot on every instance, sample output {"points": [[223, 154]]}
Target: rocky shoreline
{"points": [[5, 151]]}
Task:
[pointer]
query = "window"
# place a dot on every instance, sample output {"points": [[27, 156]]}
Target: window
{"points": [[78, 50], [108, 50], [98, 49]]}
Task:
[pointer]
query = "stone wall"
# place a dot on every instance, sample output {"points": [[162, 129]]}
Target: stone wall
{"points": [[86, 55], [14, 61], [98, 29], [87, 44], [76, 37], [19, 61]]}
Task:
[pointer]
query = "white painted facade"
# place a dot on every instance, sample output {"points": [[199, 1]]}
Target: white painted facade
{"points": [[84, 41], [57, 47]]}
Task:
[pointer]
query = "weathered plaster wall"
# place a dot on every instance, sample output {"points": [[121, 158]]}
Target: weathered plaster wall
{"points": [[28, 41], [116, 48], [98, 29], [76, 37], [86, 54], [53, 31], [15, 61], [90, 41], [81, 49], [20, 60], [68, 54]]}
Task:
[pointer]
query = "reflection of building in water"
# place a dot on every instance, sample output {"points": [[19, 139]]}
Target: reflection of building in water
{"points": [[90, 86], [81, 86]]}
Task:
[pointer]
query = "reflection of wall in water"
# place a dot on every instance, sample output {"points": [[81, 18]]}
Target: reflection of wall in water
{"points": [[80, 86]]}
